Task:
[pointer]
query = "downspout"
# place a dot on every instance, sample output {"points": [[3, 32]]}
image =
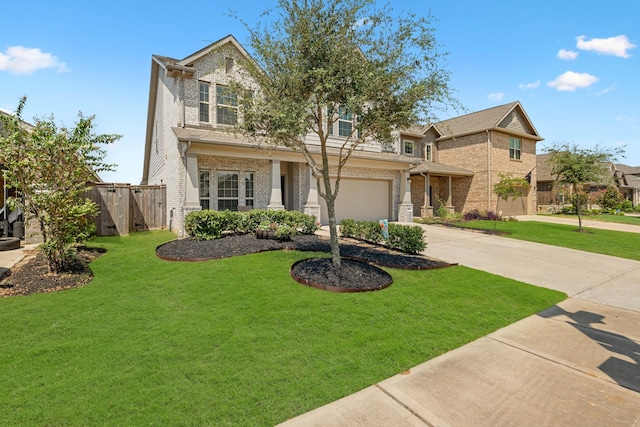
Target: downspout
{"points": [[184, 114], [488, 170]]}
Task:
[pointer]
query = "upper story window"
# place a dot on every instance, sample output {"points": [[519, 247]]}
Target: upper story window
{"points": [[409, 148], [515, 147], [345, 122], [428, 152], [226, 106], [204, 102]]}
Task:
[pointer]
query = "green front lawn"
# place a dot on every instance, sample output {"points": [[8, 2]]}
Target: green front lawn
{"points": [[607, 242], [622, 219], [228, 342]]}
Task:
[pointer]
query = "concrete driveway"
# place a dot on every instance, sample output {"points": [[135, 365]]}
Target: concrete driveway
{"points": [[575, 364]]}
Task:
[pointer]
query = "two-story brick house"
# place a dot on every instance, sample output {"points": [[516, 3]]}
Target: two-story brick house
{"points": [[192, 148], [464, 157]]}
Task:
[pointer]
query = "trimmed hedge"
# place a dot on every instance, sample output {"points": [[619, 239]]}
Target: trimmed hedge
{"points": [[209, 225], [405, 238]]}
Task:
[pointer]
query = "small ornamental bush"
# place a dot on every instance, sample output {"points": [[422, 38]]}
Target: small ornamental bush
{"points": [[405, 238]]}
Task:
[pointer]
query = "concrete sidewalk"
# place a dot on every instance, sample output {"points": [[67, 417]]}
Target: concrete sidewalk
{"points": [[575, 364]]}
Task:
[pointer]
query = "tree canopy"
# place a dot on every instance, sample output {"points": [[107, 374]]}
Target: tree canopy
{"points": [[318, 62], [576, 166]]}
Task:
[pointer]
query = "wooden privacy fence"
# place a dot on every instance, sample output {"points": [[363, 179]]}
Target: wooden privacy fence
{"points": [[125, 208]]}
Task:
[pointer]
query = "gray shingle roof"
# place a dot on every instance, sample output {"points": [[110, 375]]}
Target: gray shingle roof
{"points": [[475, 122]]}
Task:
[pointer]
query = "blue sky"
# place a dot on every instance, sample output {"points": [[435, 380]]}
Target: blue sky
{"points": [[574, 66]]}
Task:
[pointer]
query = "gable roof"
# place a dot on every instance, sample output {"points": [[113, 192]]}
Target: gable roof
{"points": [[176, 66], [481, 121]]}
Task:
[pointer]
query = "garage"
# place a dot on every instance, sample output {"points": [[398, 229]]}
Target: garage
{"points": [[361, 200], [513, 207]]}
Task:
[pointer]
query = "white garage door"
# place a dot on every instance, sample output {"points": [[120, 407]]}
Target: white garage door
{"points": [[361, 200]]}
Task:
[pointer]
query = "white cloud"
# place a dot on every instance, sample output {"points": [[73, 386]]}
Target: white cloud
{"points": [[22, 60], [533, 85], [498, 96], [568, 55], [617, 46], [607, 90], [570, 81]]}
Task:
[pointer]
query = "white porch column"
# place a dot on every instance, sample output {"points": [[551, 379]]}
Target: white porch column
{"points": [[449, 191], [405, 209], [311, 206], [191, 193], [275, 201]]}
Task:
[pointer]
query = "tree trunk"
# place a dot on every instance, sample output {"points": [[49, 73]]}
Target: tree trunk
{"points": [[578, 208], [333, 232]]}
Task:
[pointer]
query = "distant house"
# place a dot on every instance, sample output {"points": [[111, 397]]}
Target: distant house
{"points": [[463, 158], [550, 196]]}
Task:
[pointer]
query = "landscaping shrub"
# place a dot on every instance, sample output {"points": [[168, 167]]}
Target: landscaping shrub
{"points": [[477, 214], [405, 238], [608, 199], [208, 224]]}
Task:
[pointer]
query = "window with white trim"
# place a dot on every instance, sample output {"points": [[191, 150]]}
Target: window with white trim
{"points": [[515, 148], [226, 106], [409, 148], [248, 189], [227, 191], [204, 189], [428, 152], [204, 102], [345, 122]]}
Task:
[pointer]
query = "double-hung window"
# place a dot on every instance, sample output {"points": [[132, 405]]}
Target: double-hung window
{"points": [[428, 152], [226, 106], [409, 148], [515, 147], [205, 186], [227, 191], [204, 102], [248, 189], [345, 122]]}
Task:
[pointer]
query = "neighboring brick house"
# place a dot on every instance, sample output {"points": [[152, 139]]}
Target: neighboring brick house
{"points": [[551, 197], [191, 147], [464, 157]]}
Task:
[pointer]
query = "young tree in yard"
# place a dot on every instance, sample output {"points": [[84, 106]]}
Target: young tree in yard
{"points": [[508, 188], [576, 166], [50, 168], [321, 61]]}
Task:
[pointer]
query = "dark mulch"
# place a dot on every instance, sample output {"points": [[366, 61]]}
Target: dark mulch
{"points": [[31, 275], [321, 273]]}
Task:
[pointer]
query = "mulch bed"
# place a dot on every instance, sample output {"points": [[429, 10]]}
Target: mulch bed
{"points": [[31, 275], [356, 273], [351, 277]]}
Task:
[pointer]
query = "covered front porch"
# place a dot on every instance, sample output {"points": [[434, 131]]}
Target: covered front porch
{"points": [[435, 186]]}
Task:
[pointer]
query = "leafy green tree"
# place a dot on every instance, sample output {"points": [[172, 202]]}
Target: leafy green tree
{"points": [[318, 61], [508, 188], [577, 166], [50, 168]]}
